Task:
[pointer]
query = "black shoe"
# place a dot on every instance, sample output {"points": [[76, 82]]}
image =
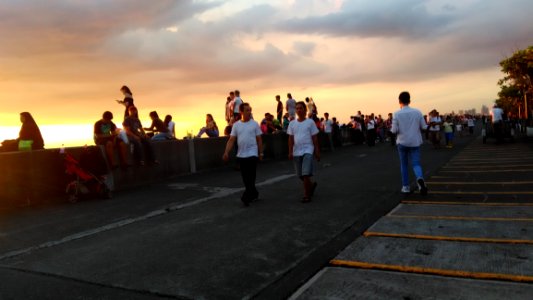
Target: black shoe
{"points": [[246, 202], [422, 186]]}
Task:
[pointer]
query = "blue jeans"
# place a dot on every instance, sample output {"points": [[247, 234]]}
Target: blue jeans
{"points": [[412, 154]]}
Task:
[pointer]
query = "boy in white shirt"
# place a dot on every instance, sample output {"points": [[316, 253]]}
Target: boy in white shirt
{"points": [[303, 144], [247, 133]]}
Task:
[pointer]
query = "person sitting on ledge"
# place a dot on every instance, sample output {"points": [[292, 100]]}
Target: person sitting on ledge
{"points": [[137, 137], [158, 130], [106, 134], [29, 132], [211, 128], [171, 125]]}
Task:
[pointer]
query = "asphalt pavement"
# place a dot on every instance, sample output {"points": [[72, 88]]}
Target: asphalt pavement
{"points": [[190, 237]]}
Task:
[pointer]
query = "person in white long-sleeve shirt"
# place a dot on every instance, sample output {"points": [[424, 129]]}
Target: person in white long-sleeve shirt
{"points": [[407, 124]]}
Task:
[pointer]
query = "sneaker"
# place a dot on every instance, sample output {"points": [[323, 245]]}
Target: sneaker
{"points": [[422, 186], [406, 189]]}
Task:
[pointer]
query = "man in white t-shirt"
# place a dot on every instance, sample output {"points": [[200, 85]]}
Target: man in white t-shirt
{"points": [[247, 133], [290, 106], [303, 143], [327, 124]]}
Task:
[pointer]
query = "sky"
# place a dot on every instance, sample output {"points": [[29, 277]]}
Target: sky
{"points": [[65, 60]]}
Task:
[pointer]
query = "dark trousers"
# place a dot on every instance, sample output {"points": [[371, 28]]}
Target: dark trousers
{"points": [[248, 172], [371, 137], [142, 150]]}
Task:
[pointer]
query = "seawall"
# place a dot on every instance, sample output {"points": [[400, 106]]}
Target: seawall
{"points": [[32, 177]]}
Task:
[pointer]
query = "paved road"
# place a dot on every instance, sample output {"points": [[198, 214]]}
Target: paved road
{"points": [[191, 238], [471, 238]]}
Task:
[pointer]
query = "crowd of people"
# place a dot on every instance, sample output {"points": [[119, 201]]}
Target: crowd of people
{"points": [[298, 119]]}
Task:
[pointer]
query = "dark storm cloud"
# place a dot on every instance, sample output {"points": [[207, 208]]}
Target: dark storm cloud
{"points": [[389, 18]]}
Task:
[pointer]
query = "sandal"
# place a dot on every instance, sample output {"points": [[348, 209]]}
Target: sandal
{"points": [[306, 199], [313, 188]]}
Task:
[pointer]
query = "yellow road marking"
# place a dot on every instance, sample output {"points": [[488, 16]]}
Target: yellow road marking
{"points": [[485, 166], [462, 218], [491, 159], [488, 171], [441, 272], [481, 193], [466, 203], [479, 182], [447, 238]]}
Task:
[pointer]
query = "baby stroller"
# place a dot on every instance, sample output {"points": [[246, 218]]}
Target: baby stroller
{"points": [[89, 175]]}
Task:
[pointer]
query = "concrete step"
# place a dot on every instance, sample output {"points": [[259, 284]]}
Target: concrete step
{"points": [[343, 283], [511, 262], [511, 213], [487, 231]]}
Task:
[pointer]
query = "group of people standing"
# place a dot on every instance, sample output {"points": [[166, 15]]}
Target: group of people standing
{"points": [[450, 125]]}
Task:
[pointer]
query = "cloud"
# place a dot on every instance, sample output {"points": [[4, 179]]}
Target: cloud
{"points": [[304, 48], [37, 27], [390, 18]]}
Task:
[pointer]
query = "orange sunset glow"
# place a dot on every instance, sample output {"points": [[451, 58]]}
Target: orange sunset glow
{"points": [[65, 63]]}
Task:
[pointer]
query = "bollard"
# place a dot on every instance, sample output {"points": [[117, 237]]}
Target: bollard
{"points": [[192, 158]]}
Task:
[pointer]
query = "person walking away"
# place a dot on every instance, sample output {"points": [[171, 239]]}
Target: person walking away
{"points": [[407, 124], [247, 134], [303, 144], [279, 108], [128, 99], [327, 124], [290, 106], [448, 131], [434, 128], [29, 132]]}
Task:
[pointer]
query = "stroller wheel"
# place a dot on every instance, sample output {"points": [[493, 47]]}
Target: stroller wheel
{"points": [[72, 192], [105, 192], [72, 198]]}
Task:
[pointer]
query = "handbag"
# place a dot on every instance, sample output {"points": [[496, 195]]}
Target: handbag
{"points": [[25, 145]]}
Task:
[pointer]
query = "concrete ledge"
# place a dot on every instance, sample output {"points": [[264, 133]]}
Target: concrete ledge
{"points": [[37, 176]]}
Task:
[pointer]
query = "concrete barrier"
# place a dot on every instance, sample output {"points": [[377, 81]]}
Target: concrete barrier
{"points": [[36, 176]]}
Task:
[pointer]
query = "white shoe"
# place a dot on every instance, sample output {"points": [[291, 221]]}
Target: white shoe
{"points": [[406, 189]]}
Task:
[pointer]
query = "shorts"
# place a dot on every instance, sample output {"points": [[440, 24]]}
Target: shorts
{"points": [[303, 165]]}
